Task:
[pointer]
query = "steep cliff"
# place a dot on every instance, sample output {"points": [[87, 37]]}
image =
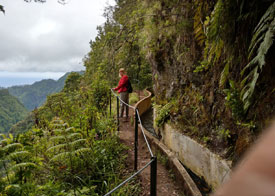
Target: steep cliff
{"points": [[213, 70]]}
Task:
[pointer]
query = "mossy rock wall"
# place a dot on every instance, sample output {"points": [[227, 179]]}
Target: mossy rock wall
{"points": [[201, 73]]}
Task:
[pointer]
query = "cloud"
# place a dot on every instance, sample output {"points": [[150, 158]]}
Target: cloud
{"points": [[48, 37]]}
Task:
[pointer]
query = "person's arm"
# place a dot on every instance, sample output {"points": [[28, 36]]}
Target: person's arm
{"points": [[122, 82], [255, 176]]}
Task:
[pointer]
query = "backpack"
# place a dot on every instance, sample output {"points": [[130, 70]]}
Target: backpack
{"points": [[129, 87]]}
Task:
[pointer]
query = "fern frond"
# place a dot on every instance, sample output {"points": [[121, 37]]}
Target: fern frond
{"points": [[213, 30], [199, 30], [60, 156], [59, 138], [269, 14], [262, 39], [18, 155], [4, 141], [77, 142], [58, 131], [57, 147], [23, 166], [12, 147], [3, 136], [75, 135], [69, 130], [248, 90], [224, 75], [57, 125], [57, 121]]}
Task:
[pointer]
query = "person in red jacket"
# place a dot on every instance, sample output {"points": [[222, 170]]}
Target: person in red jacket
{"points": [[122, 90]]}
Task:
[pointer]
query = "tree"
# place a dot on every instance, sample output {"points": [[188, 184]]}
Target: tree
{"points": [[2, 9], [38, 1]]}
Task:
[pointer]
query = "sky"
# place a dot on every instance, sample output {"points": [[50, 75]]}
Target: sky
{"points": [[46, 40]]}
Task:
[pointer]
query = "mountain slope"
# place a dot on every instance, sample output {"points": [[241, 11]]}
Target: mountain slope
{"points": [[11, 111], [35, 95]]}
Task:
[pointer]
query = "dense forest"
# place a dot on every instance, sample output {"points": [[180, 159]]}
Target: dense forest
{"points": [[11, 111], [210, 64]]}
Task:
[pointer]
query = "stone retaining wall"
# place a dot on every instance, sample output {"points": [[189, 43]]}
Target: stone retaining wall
{"points": [[196, 157]]}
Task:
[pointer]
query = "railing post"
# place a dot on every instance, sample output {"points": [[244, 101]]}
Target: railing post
{"points": [[136, 140], [117, 104], [153, 177]]}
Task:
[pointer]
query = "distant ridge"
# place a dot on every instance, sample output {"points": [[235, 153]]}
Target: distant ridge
{"points": [[32, 96], [11, 111]]}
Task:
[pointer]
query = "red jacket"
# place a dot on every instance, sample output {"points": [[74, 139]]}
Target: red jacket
{"points": [[122, 85]]}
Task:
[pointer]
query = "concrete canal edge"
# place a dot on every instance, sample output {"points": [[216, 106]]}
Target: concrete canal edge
{"points": [[180, 148], [196, 157], [181, 175]]}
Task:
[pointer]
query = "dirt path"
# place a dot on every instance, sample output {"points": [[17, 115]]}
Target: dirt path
{"points": [[166, 186]]}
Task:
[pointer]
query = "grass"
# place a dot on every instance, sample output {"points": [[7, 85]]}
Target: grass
{"points": [[162, 159], [133, 98]]}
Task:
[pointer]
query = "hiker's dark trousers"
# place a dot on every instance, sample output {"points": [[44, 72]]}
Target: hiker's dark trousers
{"points": [[124, 96]]}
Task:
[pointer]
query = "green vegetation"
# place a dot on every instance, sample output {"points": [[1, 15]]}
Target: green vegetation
{"points": [[62, 160], [213, 59], [71, 149], [133, 98], [24, 125], [234, 102], [260, 44], [163, 113], [11, 111]]}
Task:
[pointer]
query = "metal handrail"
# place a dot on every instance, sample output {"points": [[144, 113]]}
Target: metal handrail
{"points": [[149, 148], [128, 179], [145, 138], [152, 162], [122, 100]]}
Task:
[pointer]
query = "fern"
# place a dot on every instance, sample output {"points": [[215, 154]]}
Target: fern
{"points": [[19, 155], [199, 27], [57, 125], [57, 122], [214, 45], [4, 141], [68, 141], [263, 40], [75, 135], [3, 135], [60, 156], [59, 138], [12, 147], [225, 72], [57, 147], [213, 31], [69, 130], [77, 142], [23, 166]]}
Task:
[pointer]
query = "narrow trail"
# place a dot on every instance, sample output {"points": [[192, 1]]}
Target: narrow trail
{"points": [[166, 186]]}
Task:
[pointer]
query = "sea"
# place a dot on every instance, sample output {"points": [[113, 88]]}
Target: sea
{"points": [[8, 79]]}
